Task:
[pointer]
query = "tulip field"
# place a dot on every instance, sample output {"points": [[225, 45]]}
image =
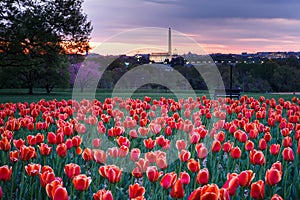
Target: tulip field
{"points": [[151, 148]]}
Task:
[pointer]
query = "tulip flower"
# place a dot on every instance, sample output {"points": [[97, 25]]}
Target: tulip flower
{"points": [[33, 169], [136, 191], [249, 145], [87, 154], [103, 195], [14, 156], [232, 183], [61, 150], [5, 144], [257, 190], [177, 190], [153, 174], [276, 197], [72, 170], [257, 157], [207, 192], [184, 155], [193, 165], [81, 182], [274, 149], [137, 173], [45, 150], [168, 180], [111, 172], [273, 176], [56, 191], [149, 143], [135, 154], [185, 178], [216, 146], [235, 152], [201, 150], [287, 141], [180, 145], [99, 156], [5, 173], [202, 176], [227, 146], [245, 178], [262, 144], [46, 177], [288, 154]]}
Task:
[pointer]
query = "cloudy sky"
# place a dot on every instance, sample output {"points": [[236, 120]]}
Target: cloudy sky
{"points": [[226, 26]]}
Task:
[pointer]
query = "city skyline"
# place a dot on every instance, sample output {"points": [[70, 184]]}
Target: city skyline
{"points": [[217, 26]]}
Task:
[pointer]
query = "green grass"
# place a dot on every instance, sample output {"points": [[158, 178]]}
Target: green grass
{"points": [[21, 95]]}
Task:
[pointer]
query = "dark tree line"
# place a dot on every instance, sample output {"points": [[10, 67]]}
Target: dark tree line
{"points": [[35, 36]]}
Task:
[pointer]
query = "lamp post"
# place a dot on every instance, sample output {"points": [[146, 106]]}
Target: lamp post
{"points": [[230, 83]]}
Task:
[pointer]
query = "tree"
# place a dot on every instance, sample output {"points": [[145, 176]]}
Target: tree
{"points": [[34, 32]]}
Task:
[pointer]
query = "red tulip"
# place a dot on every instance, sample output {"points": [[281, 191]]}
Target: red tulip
{"points": [[18, 143], [149, 143], [136, 191], [203, 176], [249, 145], [46, 177], [81, 182], [27, 153], [76, 141], [103, 195], [111, 172], [153, 174], [137, 173], [51, 138], [276, 197], [273, 176], [235, 152], [288, 154], [207, 192], [201, 150], [45, 150], [14, 156], [274, 149], [56, 191], [193, 165], [262, 144], [287, 141], [168, 180], [257, 190], [232, 183], [47, 168], [216, 146], [87, 154], [72, 170], [227, 146], [177, 191], [185, 178], [184, 155], [5, 144], [33, 169], [5, 173], [245, 178], [61, 150], [257, 157]]}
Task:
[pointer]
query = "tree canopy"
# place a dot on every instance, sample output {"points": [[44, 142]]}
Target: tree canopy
{"points": [[35, 35]]}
